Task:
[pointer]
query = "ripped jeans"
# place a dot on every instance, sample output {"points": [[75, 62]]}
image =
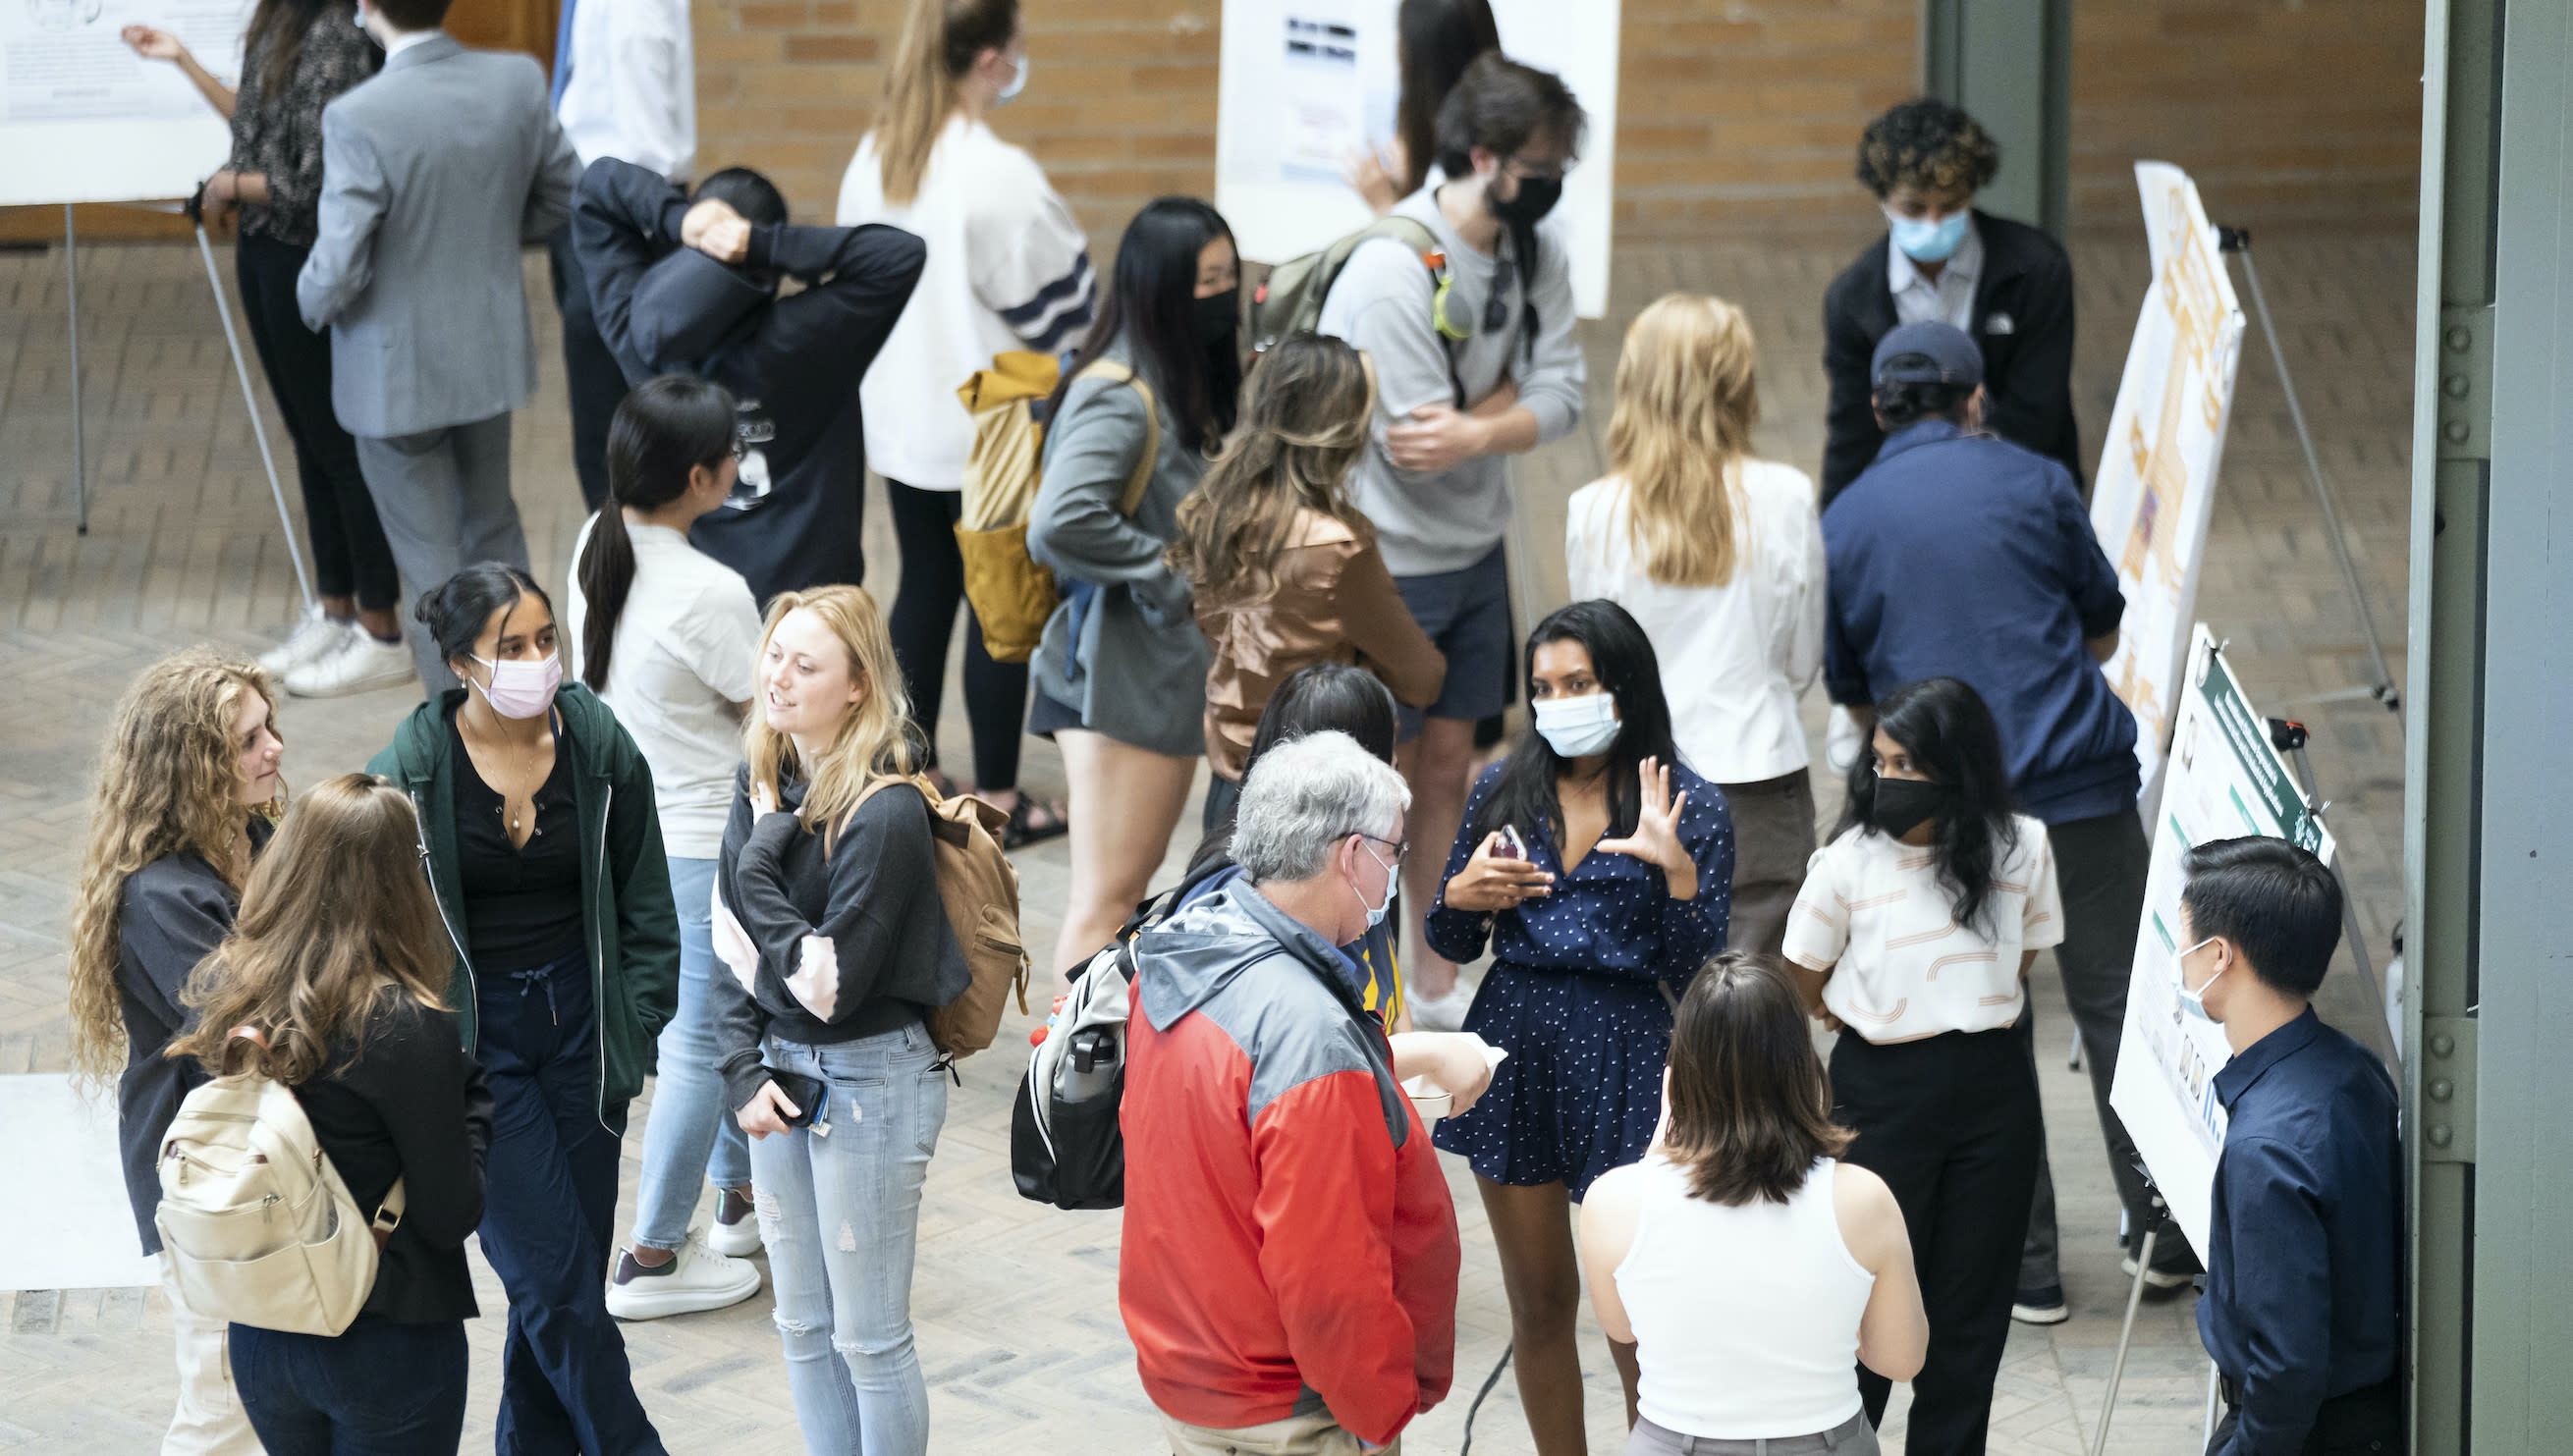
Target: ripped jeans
{"points": [[839, 1209]]}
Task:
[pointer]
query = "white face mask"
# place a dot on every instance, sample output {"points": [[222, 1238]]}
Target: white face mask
{"points": [[1376, 912], [1578, 727], [2195, 1001], [1018, 83]]}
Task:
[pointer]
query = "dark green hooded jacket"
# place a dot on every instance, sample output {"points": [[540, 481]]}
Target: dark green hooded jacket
{"points": [[634, 932]]}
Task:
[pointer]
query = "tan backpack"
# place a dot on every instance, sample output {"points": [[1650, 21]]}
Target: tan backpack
{"points": [[258, 1227], [1012, 595], [978, 888]]}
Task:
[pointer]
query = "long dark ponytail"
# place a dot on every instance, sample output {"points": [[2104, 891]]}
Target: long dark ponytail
{"points": [[1942, 723], [1622, 658], [665, 430]]}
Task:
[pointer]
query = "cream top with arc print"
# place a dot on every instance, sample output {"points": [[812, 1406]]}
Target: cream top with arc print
{"points": [[1873, 913]]}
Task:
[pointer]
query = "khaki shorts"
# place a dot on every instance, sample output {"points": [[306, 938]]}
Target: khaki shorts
{"points": [[1306, 1435]]}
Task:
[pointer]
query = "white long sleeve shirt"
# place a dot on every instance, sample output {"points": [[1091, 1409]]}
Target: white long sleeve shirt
{"points": [[1734, 657], [633, 89]]}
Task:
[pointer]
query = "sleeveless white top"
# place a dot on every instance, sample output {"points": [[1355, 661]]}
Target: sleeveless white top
{"points": [[1745, 1319]]}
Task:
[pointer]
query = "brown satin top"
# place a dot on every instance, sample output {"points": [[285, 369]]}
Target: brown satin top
{"points": [[1335, 602]]}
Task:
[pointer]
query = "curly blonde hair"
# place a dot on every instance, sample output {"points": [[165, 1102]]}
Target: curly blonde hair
{"points": [[169, 782]]}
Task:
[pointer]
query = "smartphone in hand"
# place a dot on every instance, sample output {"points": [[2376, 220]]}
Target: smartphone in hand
{"points": [[1512, 847]]}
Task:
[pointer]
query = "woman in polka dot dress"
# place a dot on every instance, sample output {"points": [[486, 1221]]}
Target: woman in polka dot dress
{"points": [[1599, 870]]}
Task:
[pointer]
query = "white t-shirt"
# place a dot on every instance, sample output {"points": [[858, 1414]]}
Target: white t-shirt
{"points": [[1873, 907], [682, 655], [1734, 657], [1008, 268]]}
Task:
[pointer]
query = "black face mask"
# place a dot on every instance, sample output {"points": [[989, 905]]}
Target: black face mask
{"points": [[1218, 314], [1901, 804], [1536, 197]]}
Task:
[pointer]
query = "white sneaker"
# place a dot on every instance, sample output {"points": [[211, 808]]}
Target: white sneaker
{"points": [[698, 1279], [1443, 1012], [314, 638], [735, 1231], [360, 666]]}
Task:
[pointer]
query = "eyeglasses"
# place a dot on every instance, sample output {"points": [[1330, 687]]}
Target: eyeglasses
{"points": [[1401, 849]]}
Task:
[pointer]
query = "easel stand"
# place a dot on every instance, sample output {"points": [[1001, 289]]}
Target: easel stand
{"points": [[240, 370], [2238, 240], [2290, 737], [2155, 1220]]}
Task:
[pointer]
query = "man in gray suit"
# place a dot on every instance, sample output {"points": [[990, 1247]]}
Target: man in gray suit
{"points": [[435, 173]]}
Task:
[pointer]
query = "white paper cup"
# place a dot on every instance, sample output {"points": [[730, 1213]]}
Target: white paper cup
{"points": [[1430, 1101]]}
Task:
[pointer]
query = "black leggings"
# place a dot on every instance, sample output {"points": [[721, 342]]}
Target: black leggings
{"points": [[349, 557], [924, 619]]}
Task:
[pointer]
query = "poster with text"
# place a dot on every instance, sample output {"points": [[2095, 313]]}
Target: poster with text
{"points": [[83, 118], [2224, 781], [2155, 484], [1307, 84]]}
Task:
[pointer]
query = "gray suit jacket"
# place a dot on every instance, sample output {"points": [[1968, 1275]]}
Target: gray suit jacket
{"points": [[433, 175]]}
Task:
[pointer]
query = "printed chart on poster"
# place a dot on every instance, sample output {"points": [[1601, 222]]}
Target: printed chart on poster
{"points": [[85, 118], [2226, 781], [1308, 84], [2157, 479]]}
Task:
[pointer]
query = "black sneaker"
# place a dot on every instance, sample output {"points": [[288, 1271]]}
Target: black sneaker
{"points": [[2040, 1306]]}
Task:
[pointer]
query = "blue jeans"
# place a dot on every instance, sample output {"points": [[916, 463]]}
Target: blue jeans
{"points": [[689, 1129], [548, 1214], [839, 1209], [375, 1389]]}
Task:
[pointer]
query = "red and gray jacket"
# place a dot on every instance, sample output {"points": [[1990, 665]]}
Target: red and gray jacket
{"points": [[1290, 1245]]}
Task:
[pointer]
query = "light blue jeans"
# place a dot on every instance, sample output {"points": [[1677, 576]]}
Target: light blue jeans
{"points": [[689, 1132], [839, 1209]]}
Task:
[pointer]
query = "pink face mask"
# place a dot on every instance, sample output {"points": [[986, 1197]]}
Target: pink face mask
{"points": [[522, 689]]}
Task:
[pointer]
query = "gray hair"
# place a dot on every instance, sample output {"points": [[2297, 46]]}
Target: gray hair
{"points": [[1304, 797]]}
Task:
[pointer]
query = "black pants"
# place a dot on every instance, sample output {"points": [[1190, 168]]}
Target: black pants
{"points": [[383, 1388], [349, 557], [597, 383], [1951, 1124], [924, 619], [2100, 866], [2365, 1422]]}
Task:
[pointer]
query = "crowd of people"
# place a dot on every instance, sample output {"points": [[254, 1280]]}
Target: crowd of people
{"points": [[692, 829]]}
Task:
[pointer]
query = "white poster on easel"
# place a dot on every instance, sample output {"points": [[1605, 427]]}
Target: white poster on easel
{"points": [[2155, 486], [85, 118], [2226, 781], [1307, 83]]}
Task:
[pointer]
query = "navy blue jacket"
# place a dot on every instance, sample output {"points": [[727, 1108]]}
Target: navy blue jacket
{"points": [[2304, 1258], [1966, 556]]}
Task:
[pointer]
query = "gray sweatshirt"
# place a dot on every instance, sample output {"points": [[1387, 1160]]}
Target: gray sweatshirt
{"points": [[1428, 524]]}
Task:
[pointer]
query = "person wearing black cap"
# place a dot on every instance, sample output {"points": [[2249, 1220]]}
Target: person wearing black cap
{"points": [[1959, 554], [2006, 285], [689, 284]]}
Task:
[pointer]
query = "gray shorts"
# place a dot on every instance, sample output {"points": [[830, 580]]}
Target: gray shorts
{"points": [[1852, 1437], [1467, 617]]}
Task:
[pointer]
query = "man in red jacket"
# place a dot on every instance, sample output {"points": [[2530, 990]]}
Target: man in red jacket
{"points": [[1289, 1273]]}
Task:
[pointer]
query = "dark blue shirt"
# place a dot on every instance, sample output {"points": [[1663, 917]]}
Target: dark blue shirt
{"points": [[1966, 556], [2304, 1260]]}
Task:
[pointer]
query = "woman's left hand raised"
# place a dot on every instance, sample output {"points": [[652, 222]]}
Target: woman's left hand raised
{"points": [[1656, 840]]}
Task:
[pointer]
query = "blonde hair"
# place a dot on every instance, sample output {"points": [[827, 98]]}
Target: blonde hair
{"points": [[169, 782], [940, 41], [1687, 396], [1304, 426], [874, 737], [336, 919]]}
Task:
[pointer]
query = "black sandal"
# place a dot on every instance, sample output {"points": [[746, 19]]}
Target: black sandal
{"points": [[1025, 828]]}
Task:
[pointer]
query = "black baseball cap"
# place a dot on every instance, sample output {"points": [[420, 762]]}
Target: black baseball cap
{"points": [[1927, 353]]}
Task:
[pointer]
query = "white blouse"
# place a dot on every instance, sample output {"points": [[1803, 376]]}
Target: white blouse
{"points": [[1734, 657]]}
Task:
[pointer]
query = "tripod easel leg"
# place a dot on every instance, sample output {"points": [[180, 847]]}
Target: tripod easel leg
{"points": [[2126, 1337], [249, 403], [80, 435]]}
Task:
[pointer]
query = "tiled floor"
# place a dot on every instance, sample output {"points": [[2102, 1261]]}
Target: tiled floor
{"points": [[1016, 1304]]}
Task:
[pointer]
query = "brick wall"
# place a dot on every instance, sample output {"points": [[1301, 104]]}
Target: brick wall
{"points": [[1736, 116]]}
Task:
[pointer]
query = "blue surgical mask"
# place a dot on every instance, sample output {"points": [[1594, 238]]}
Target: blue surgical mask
{"points": [[1018, 83], [1924, 240], [2195, 1001], [1376, 912], [1578, 727]]}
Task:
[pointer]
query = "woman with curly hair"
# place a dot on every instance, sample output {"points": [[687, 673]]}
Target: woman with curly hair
{"points": [[2007, 285], [188, 789]]}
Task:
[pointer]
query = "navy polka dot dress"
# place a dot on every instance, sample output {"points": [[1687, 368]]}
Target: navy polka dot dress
{"points": [[1571, 994]]}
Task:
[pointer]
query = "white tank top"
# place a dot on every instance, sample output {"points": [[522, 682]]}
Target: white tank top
{"points": [[1745, 1319]]}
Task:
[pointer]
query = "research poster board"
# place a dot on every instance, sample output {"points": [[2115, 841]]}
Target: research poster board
{"points": [[85, 118], [1307, 83], [2224, 781], [2155, 486]]}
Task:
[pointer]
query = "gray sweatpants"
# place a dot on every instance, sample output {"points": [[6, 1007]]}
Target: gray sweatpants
{"points": [[444, 497]]}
